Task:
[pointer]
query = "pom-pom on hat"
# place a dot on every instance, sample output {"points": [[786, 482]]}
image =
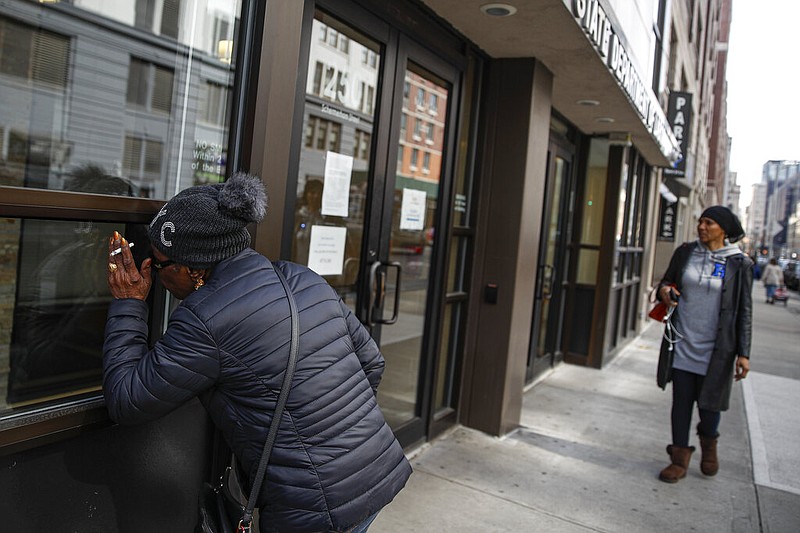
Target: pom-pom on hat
{"points": [[205, 224], [727, 221]]}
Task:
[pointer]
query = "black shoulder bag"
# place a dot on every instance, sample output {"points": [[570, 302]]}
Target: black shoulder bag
{"points": [[220, 510]]}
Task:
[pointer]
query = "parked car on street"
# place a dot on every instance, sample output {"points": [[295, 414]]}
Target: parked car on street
{"points": [[791, 275]]}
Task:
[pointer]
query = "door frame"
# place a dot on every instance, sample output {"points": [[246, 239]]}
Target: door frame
{"points": [[558, 146], [409, 50]]}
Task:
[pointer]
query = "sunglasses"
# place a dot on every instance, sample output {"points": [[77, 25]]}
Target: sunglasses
{"points": [[158, 265]]}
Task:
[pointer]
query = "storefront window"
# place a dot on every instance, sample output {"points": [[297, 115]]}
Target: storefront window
{"points": [[53, 306], [136, 90], [99, 99]]}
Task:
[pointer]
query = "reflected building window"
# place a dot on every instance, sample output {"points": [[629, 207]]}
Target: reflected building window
{"points": [[213, 104], [33, 54], [150, 18], [142, 162], [150, 86], [433, 103], [361, 146], [321, 134], [417, 130]]}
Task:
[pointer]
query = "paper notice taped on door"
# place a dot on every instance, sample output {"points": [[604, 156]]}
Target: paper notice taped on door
{"points": [[412, 212], [326, 250], [336, 194]]}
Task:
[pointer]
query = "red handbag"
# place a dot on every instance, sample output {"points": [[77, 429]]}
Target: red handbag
{"points": [[659, 312]]}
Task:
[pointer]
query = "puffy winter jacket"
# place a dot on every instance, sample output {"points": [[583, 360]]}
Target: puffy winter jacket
{"points": [[335, 461]]}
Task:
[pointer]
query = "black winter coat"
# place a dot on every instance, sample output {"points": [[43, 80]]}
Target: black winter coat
{"points": [[335, 461], [733, 329]]}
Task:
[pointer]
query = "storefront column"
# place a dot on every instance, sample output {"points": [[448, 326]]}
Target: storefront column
{"points": [[277, 111], [515, 132]]}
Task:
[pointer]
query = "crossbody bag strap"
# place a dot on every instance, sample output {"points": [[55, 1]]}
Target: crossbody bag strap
{"points": [[247, 519]]}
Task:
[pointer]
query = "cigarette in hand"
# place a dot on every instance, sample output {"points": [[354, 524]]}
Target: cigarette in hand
{"points": [[119, 250]]}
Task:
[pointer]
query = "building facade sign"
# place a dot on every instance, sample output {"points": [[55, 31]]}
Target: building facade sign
{"points": [[679, 114], [605, 40], [666, 224]]}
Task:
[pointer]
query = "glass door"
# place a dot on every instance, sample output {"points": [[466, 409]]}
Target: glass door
{"points": [[372, 170], [415, 186], [553, 260]]}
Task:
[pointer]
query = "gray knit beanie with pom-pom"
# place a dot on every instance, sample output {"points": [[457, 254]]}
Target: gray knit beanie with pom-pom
{"points": [[203, 225]]}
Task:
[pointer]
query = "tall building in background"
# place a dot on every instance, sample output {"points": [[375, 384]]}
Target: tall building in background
{"points": [[733, 193], [696, 102], [779, 203], [720, 142]]}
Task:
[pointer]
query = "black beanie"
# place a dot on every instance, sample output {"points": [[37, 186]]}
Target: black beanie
{"points": [[727, 221], [205, 224]]}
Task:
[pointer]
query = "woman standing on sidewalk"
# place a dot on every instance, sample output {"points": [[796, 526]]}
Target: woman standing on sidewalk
{"points": [[773, 278], [709, 281]]}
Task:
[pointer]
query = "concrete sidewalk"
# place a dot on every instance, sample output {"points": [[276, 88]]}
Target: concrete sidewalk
{"points": [[588, 453]]}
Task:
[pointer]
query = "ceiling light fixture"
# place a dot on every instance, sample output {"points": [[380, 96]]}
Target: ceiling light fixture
{"points": [[604, 120], [588, 102], [498, 10]]}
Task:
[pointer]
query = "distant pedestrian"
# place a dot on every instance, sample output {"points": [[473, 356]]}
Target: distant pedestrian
{"points": [[772, 279], [708, 336]]}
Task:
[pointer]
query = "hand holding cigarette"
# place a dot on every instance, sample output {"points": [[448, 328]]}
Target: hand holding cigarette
{"points": [[124, 279]]}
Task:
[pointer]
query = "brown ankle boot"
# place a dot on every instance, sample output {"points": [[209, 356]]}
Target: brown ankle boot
{"points": [[709, 464], [680, 462]]}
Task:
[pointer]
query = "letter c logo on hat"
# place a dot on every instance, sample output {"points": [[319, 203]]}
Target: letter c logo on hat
{"points": [[164, 227]]}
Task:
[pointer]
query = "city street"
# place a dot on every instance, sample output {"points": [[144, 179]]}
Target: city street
{"points": [[587, 455]]}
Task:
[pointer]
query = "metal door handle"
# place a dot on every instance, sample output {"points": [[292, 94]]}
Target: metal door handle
{"points": [[377, 292]]}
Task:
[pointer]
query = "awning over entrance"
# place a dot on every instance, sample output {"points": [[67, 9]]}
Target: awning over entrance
{"points": [[585, 90]]}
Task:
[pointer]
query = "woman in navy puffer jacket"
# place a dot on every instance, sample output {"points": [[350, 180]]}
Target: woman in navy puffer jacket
{"points": [[335, 462]]}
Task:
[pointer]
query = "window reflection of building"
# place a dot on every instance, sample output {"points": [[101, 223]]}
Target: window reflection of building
{"points": [[421, 150], [113, 97], [75, 87], [339, 75]]}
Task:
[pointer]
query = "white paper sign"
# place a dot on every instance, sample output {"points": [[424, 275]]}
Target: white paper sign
{"points": [[326, 250], [336, 194], [412, 212]]}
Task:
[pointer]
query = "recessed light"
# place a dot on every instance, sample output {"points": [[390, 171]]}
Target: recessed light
{"points": [[498, 10], [604, 120], [588, 102]]}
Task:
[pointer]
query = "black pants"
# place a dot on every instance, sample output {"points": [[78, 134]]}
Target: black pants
{"points": [[686, 388]]}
